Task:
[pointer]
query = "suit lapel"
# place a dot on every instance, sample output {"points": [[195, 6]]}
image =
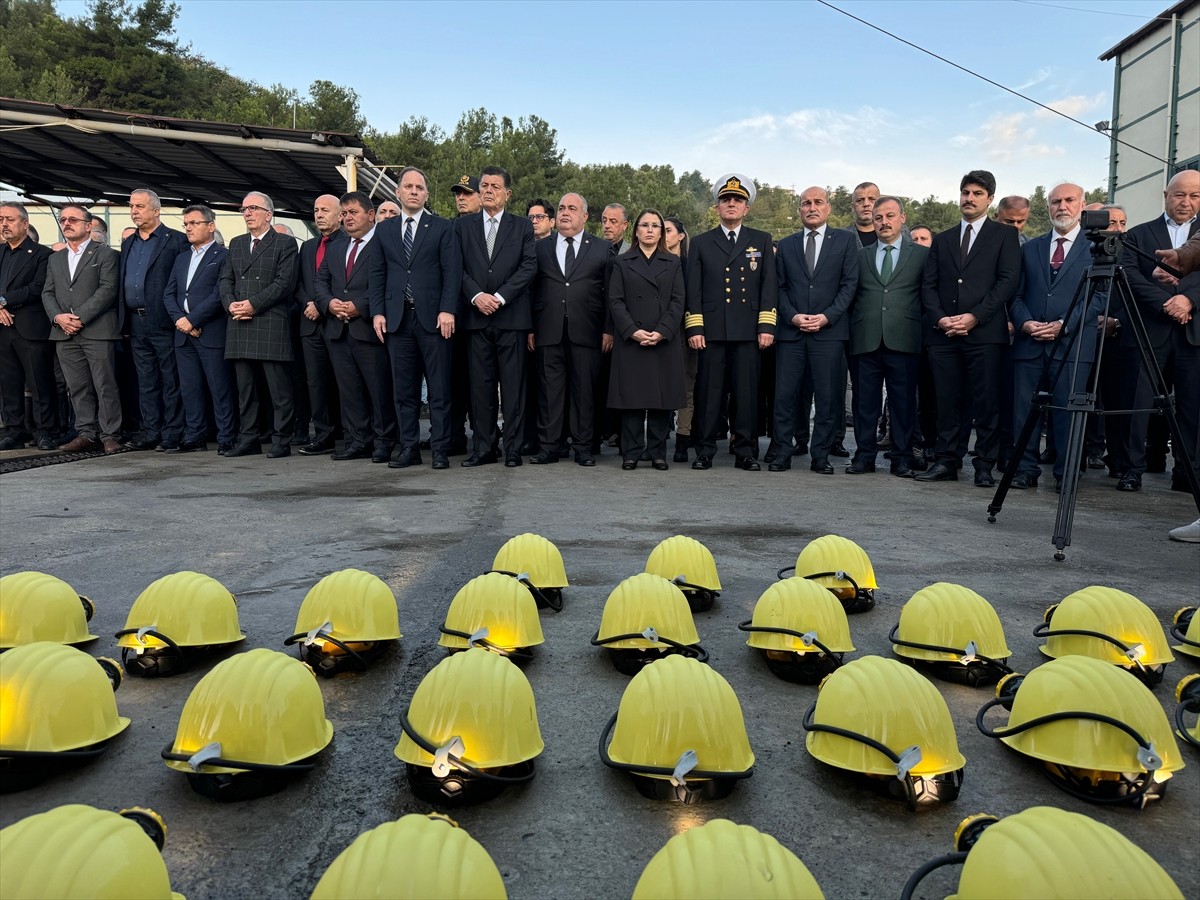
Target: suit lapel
{"points": [[1075, 256], [21, 258], [587, 245], [419, 232], [84, 261], [743, 240], [651, 272]]}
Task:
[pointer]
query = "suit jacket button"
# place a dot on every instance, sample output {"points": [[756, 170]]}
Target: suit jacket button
{"points": [[960, 281], [568, 284]]}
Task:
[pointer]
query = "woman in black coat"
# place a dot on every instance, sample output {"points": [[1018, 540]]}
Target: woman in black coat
{"points": [[645, 301]]}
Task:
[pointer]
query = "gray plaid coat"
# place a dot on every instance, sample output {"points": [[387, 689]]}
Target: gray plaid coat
{"points": [[267, 279]]}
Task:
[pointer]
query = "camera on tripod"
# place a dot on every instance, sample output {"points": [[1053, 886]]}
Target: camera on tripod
{"points": [[1105, 244]]}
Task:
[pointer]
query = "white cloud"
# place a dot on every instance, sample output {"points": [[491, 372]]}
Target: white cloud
{"points": [[1073, 106], [1006, 137], [822, 129], [1036, 78]]}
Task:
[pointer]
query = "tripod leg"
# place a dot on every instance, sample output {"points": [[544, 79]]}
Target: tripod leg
{"points": [[1039, 403], [1079, 406]]}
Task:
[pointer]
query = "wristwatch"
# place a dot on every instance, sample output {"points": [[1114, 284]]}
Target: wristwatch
{"points": [[3, 302]]}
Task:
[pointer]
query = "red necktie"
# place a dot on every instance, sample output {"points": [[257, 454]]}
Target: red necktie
{"points": [[350, 260], [321, 251], [1056, 260]]}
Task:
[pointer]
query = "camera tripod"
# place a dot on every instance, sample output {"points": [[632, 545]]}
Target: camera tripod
{"points": [[1102, 278]]}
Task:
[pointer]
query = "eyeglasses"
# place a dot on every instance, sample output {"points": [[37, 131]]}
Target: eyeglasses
{"points": [[246, 209], [69, 220], [537, 217]]}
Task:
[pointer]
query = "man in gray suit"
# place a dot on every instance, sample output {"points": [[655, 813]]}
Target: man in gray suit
{"points": [[258, 278], [80, 297], [885, 339]]}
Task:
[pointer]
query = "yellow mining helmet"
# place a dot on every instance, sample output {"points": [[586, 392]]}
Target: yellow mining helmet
{"points": [[252, 723], [1045, 853], [535, 561], [175, 621], [471, 730], [1101, 736], [839, 564], [495, 612], [36, 607], [679, 733], [645, 618], [883, 720], [721, 859], [953, 633], [82, 853], [1185, 628], [1111, 626], [347, 621], [801, 628], [689, 564], [56, 709], [1187, 696], [414, 858]]}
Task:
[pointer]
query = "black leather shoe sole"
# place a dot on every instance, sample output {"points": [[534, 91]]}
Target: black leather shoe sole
{"points": [[511, 462], [702, 462], [477, 460], [243, 450], [545, 458], [747, 464], [856, 469], [278, 452], [315, 449]]}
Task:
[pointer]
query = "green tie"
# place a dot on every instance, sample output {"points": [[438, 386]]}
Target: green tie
{"points": [[886, 273]]}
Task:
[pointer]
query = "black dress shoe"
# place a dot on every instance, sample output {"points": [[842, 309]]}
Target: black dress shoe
{"points": [[1058, 485], [224, 448], [1130, 481], [839, 449], [478, 459], [141, 444], [564, 450], [801, 448], [901, 470], [45, 442], [317, 448], [770, 456], [859, 467], [441, 460], [167, 447], [352, 451], [189, 447], [279, 451], [16, 442], [544, 457], [511, 462], [1048, 456], [702, 462], [629, 465], [248, 448], [660, 465], [681, 454], [939, 472], [918, 464], [381, 455], [780, 464], [821, 467], [529, 448], [983, 478], [747, 464], [404, 457], [584, 458], [1023, 481], [1095, 462]]}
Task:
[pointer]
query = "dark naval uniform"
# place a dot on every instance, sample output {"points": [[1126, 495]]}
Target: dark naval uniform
{"points": [[730, 302]]}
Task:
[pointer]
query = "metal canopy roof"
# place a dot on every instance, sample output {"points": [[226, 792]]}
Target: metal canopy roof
{"points": [[63, 151]]}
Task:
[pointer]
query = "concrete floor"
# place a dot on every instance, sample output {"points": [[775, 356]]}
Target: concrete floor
{"points": [[270, 529]]}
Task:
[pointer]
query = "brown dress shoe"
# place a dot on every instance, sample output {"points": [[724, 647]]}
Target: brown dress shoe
{"points": [[112, 445], [80, 444]]}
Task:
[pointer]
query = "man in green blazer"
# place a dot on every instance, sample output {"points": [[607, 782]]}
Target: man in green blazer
{"points": [[885, 339]]}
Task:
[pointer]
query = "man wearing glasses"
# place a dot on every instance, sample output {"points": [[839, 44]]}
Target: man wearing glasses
{"points": [[80, 297], [257, 279]]}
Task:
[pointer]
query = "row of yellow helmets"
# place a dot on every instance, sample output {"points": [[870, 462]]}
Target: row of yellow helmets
{"points": [[1040, 852]]}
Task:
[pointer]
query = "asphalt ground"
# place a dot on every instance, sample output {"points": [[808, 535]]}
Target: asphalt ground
{"points": [[270, 529]]}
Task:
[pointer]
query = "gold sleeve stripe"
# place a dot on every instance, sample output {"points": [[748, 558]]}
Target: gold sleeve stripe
{"points": [[693, 320], [767, 317]]}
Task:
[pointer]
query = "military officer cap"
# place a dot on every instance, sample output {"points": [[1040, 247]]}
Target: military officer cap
{"points": [[468, 184], [734, 185]]}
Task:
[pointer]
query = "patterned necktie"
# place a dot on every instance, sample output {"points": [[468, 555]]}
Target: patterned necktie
{"points": [[810, 252], [570, 257], [253, 245], [321, 250], [1056, 260], [352, 257], [491, 236], [966, 245], [886, 272], [408, 242], [732, 240]]}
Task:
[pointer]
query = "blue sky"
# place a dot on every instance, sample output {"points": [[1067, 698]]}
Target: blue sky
{"points": [[791, 93]]}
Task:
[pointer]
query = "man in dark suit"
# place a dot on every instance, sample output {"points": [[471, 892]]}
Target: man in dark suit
{"points": [[466, 202], [1171, 311], [26, 354], [885, 339], [415, 272], [193, 302], [498, 265], [971, 275], [314, 364], [731, 295], [80, 298], [360, 360], [147, 258], [1051, 268], [818, 273], [258, 278], [568, 329]]}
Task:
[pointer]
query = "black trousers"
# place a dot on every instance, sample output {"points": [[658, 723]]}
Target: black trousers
{"points": [[824, 362], [158, 380], [364, 383], [740, 360], [968, 376], [417, 353], [567, 369], [321, 387], [899, 372], [497, 359], [278, 377], [645, 430], [25, 363]]}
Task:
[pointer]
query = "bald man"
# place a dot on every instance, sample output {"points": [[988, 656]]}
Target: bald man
{"points": [[317, 370]]}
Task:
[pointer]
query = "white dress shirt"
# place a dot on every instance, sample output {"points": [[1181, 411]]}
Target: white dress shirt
{"points": [[1178, 231], [73, 257]]}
